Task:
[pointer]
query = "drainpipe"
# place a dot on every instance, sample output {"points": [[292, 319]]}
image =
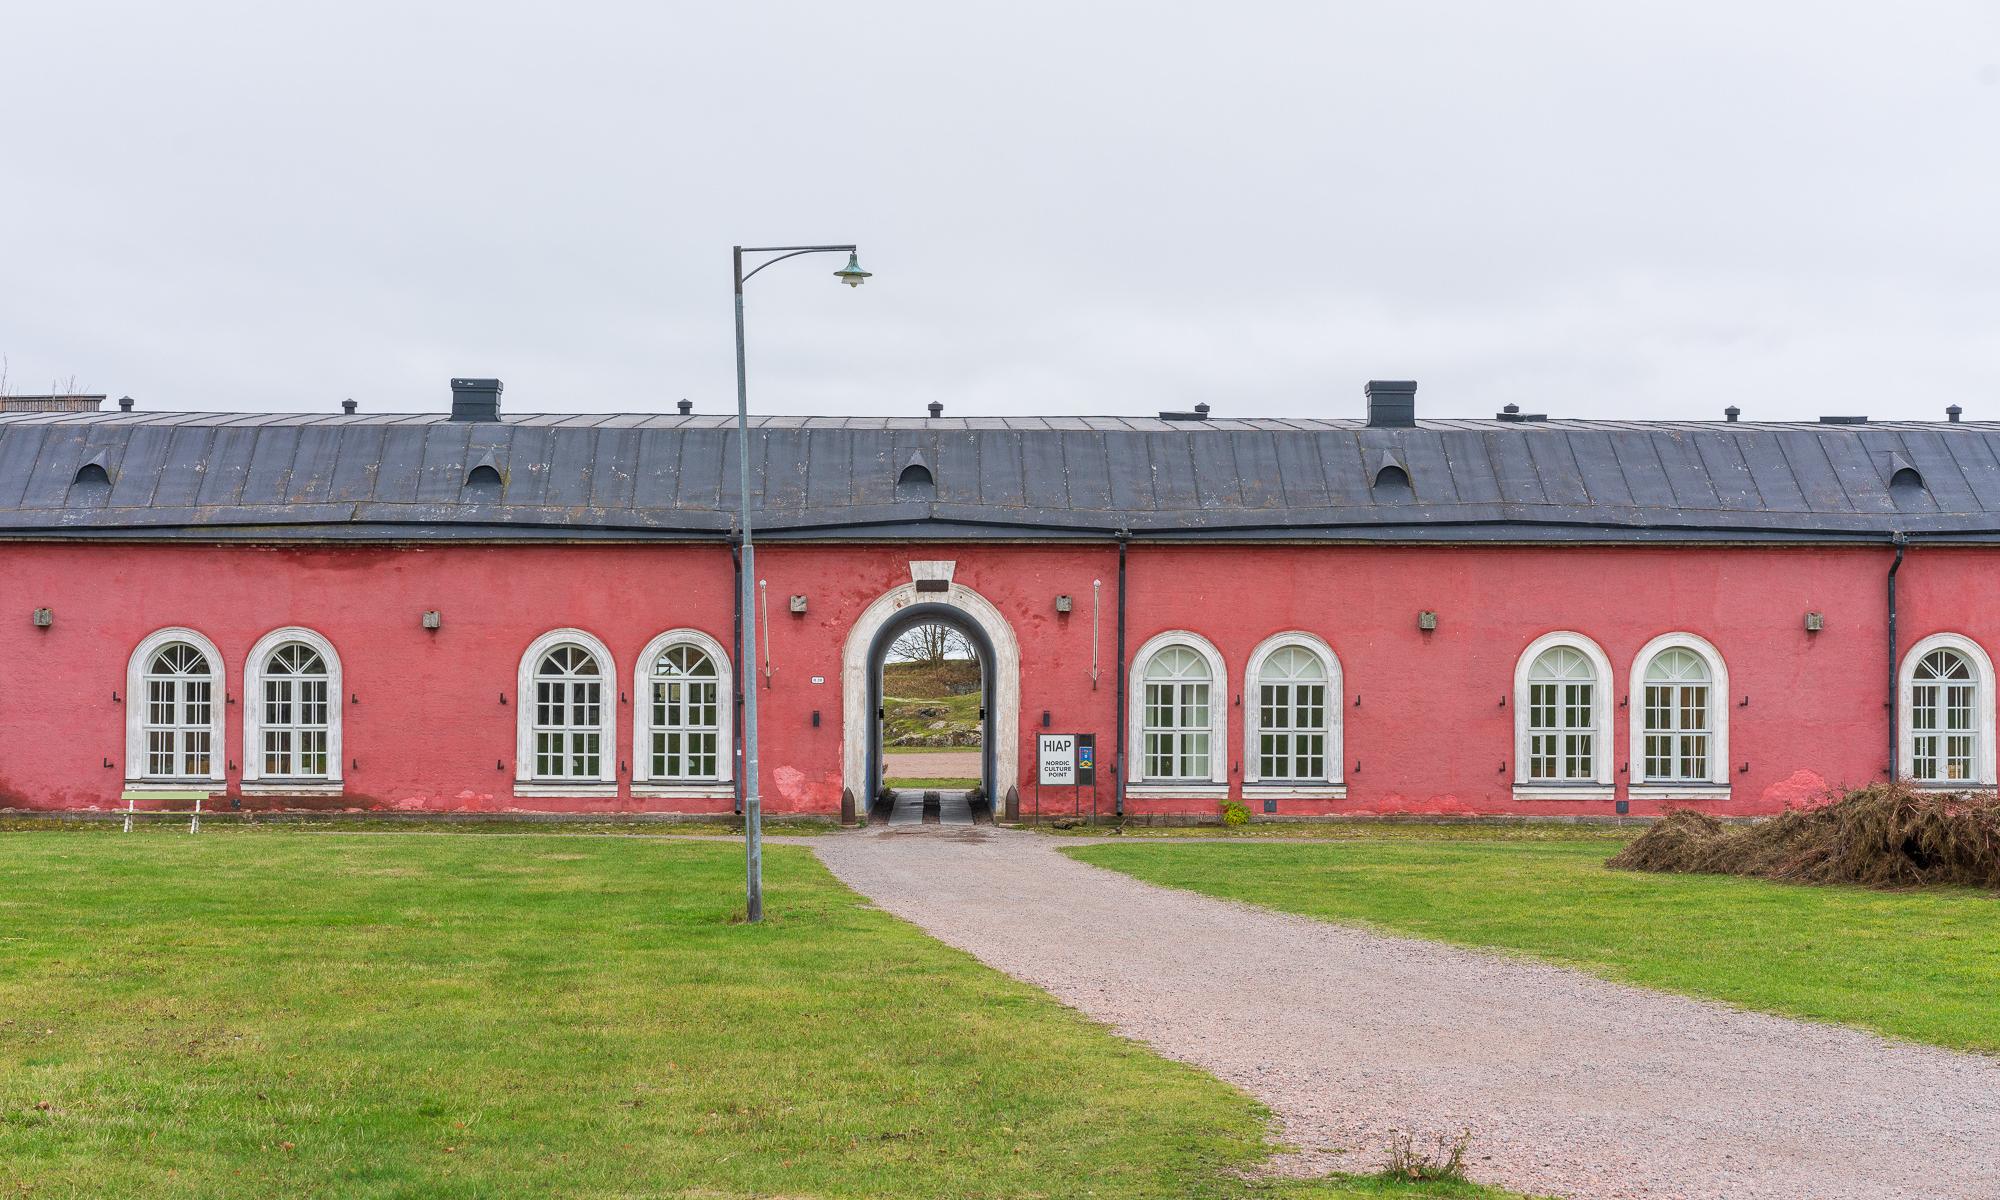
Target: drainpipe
{"points": [[736, 668], [1124, 535], [1900, 541]]}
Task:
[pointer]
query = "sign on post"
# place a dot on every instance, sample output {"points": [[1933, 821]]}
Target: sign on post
{"points": [[1055, 759]]}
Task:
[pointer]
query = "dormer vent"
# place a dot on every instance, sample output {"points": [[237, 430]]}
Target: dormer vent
{"points": [[915, 481], [1902, 472], [92, 474], [1389, 475], [485, 477]]}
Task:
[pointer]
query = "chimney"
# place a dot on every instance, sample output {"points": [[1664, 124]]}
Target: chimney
{"points": [[348, 406], [475, 399], [1392, 403], [686, 407], [936, 408], [57, 402]]}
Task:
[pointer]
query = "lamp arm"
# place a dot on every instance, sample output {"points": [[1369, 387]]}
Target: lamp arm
{"points": [[794, 253]]}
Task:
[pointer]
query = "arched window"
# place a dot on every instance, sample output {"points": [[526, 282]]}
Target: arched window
{"points": [[1680, 714], [1291, 712], [567, 735], [683, 717], [1947, 713], [1179, 706], [1562, 720], [291, 712], [173, 722]]}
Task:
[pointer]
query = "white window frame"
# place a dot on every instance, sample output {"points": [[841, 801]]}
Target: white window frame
{"points": [[1218, 720], [722, 785], [1716, 786], [254, 670], [1331, 787], [526, 782], [1600, 786], [1983, 775], [136, 702]]}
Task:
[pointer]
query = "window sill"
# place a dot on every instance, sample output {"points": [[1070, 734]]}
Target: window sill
{"points": [[707, 789], [293, 787], [1294, 791], [1191, 790], [1565, 791], [1945, 787], [580, 789], [1679, 791]]}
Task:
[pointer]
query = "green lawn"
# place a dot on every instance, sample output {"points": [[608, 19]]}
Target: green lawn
{"points": [[261, 1013], [1920, 965]]}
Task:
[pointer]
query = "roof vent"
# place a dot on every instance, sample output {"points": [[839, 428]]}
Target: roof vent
{"points": [[92, 473], [475, 399], [915, 481], [1731, 413], [124, 404], [1389, 475], [686, 407], [1200, 413], [348, 407], [1392, 403], [1512, 412], [485, 475], [1902, 472], [935, 408], [1953, 413], [1843, 420]]}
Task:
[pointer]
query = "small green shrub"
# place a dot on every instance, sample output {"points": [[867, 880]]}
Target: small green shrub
{"points": [[1234, 814]]}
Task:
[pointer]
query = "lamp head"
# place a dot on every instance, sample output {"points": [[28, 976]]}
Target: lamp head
{"points": [[852, 274]]}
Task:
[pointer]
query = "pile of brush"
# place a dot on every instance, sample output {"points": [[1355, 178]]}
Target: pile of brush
{"points": [[1885, 836]]}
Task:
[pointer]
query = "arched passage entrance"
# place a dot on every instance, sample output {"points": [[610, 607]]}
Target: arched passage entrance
{"points": [[868, 642]]}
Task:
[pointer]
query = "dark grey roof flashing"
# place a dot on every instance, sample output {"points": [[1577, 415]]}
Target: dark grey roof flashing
{"points": [[277, 476]]}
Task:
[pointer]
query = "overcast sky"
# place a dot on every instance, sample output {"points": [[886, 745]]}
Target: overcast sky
{"points": [[1589, 209]]}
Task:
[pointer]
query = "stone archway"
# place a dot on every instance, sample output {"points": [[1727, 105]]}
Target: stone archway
{"points": [[953, 602]]}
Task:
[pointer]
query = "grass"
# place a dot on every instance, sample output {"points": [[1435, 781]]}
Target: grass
{"points": [[1351, 830], [1922, 965], [288, 823], [929, 785], [263, 1013]]}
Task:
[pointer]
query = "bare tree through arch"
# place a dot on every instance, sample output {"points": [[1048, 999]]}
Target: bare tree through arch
{"points": [[933, 726]]}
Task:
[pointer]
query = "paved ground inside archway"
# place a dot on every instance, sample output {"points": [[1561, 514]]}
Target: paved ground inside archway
{"points": [[1570, 1085]]}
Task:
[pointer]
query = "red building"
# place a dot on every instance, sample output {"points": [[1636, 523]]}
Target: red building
{"points": [[460, 612]]}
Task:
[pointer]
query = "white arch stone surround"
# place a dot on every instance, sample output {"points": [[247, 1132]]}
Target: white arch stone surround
{"points": [[854, 670]]}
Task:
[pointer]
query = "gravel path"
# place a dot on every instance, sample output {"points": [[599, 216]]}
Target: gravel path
{"points": [[1571, 1086]]}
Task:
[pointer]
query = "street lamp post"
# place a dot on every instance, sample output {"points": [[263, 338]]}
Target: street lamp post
{"points": [[753, 831]]}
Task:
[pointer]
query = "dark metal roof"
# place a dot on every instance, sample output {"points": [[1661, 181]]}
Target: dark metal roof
{"points": [[295, 476]]}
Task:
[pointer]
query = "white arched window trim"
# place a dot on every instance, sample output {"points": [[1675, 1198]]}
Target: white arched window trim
{"points": [[254, 781], [135, 709], [1332, 787], [1717, 785], [1217, 786], [643, 784], [525, 783], [1599, 788], [1983, 709]]}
